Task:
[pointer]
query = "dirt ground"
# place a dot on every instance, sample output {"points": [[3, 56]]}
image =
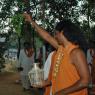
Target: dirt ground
{"points": [[8, 85]]}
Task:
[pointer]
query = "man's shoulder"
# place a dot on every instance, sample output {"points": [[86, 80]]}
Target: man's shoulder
{"points": [[77, 53]]}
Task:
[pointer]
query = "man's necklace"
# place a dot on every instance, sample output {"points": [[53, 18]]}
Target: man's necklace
{"points": [[58, 61]]}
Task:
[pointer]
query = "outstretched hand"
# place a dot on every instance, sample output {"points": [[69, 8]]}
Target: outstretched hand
{"points": [[27, 17]]}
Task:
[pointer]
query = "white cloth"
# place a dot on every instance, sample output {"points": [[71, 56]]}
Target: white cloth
{"points": [[25, 62], [25, 81], [90, 54], [47, 66]]}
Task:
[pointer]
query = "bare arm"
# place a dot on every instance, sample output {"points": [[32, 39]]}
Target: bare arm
{"points": [[42, 32], [79, 60]]}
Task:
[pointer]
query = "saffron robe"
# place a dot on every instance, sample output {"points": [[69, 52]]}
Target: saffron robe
{"points": [[65, 74]]}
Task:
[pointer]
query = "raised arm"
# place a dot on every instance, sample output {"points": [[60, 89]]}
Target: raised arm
{"points": [[42, 32]]}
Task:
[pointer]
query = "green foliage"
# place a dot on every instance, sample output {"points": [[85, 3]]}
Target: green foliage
{"points": [[17, 21], [57, 10], [6, 8]]}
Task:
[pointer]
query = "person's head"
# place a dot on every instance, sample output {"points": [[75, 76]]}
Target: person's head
{"points": [[70, 31], [27, 45]]}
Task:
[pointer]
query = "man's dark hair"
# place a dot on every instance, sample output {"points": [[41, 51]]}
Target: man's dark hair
{"points": [[27, 45], [72, 32]]}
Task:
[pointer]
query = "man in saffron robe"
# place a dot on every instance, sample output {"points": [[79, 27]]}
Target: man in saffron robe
{"points": [[69, 74]]}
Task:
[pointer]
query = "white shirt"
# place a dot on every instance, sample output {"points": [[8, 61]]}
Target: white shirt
{"points": [[90, 54], [47, 66], [25, 62]]}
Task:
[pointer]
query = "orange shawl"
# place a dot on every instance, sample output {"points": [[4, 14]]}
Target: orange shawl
{"points": [[64, 72]]}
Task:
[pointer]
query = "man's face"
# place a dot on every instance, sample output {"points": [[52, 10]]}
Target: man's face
{"points": [[58, 36]]}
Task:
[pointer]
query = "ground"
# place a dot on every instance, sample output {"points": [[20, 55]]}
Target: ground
{"points": [[8, 85]]}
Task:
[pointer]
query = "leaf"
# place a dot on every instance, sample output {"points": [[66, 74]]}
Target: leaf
{"points": [[17, 21]]}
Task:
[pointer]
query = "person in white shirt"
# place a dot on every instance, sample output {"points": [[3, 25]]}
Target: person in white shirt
{"points": [[47, 66], [26, 59], [90, 54]]}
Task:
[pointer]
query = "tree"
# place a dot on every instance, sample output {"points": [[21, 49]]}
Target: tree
{"points": [[88, 10], [47, 13], [3, 47]]}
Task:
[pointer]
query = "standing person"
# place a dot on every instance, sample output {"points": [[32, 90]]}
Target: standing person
{"points": [[70, 73], [93, 74], [90, 54], [47, 65], [47, 70], [26, 59], [90, 61]]}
